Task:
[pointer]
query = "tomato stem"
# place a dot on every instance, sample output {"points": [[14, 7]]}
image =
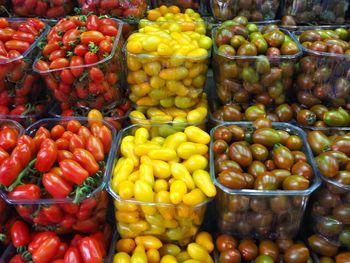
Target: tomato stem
{"points": [[20, 176], [2, 237]]}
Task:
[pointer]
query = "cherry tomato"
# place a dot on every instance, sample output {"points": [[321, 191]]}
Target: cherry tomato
{"points": [[20, 235]]}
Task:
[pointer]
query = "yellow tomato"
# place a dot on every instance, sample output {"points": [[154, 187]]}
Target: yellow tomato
{"points": [[121, 257]]}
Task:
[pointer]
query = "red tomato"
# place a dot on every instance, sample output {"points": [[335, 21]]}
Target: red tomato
{"points": [[72, 255], [108, 30], [25, 139], [57, 131], [95, 146], [59, 63], [86, 160], [20, 235], [63, 155], [92, 22], [90, 250], [62, 144], [47, 250], [3, 22], [6, 34], [57, 186], [23, 36], [76, 62], [53, 213], [84, 132], [27, 86], [17, 259], [73, 172], [38, 239], [80, 50], [61, 251], [105, 135], [96, 74], [8, 138], [9, 170], [105, 46], [56, 54], [50, 47], [67, 76], [46, 156], [25, 192], [91, 36], [90, 58], [71, 38], [3, 155], [20, 46], [22, 154]]}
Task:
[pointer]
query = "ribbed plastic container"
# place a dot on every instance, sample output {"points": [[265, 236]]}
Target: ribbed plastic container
{"points": [[262, 214], [231, 87], [169, 222], [87, 214]]}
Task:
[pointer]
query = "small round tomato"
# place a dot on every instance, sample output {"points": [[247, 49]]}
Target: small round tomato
{"points": [[225, 242]]}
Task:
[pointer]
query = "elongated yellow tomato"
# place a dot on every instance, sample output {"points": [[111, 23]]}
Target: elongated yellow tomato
{"points": [[118, 165], [126, 245], [143, 149], [197, 115], [203, 181], [153, 255], [139, 226], [198, 252], [126, 189], [127, 150], [162, 154], [180, 172], [149, 242], [195, 162], [205, 240], [158, 139], [141, 136], [170, 249], [138, 257], [173, 141], [122, 174], [121, 257], [187, 149], [143, 191], [161, 169], [95, 116], [127, 217], [167, 212], [146, 173], [168, 259], [193, 198], [160, 185], [183, 256], [177, 191], [197, 135], [192, 261], [178, 73]]}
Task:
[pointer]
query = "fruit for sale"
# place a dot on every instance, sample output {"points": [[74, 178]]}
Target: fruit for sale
{"points": [[149, 248], [160, 182], [253, 64], [254, 10], [172, 19], [182, 4], [167, 68], [80, 62], [117, 8], [323, 70], [41, 8], [60, 164], [264, 177]]}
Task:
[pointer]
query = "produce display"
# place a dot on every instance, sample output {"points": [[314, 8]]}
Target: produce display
{"points": [[172, 19], [182, 4], [271, 160], [316, 11], [268, 251], [322, 246], [160, 183], [151, 249], [46, 246], [80, 62], [323, 74], [61, 164], [195, 115], [167, 68], [254, 10], [117, 8], [42, 8], [253, 65]]}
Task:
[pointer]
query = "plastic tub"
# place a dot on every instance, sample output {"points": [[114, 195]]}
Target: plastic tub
{"points": [[21, 88], [169, 222], [86, 214], [230, 86], [263, 214], [176, 93], [42, 8], [316, 11], [194, 4], [79, 93], [118, 8], [254, 10], [118, 122], [329, 73]]}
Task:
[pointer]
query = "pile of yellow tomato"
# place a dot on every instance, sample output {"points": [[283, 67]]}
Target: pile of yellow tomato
{"points": [[162, 182], [150, 249]]}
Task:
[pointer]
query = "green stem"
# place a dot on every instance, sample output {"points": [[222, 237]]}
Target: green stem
{"points": [[2, 237], [18, 180]]}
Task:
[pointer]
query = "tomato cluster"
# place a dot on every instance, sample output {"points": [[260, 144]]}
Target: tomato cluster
{"points": [[46, 246], [118, 8], [80, 63], [42, 8], [267, 251], [67, 161], [21, 91], [183, 4]]}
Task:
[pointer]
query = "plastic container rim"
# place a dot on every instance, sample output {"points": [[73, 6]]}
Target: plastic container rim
{"points": [[116, 197], [109, 57], [33, 45], [315, 183], [287, 57], [108, 166]]}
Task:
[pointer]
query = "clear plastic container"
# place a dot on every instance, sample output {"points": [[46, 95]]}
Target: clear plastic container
{"points": [[322, 77], [79, 95], [42, 8], [254, 10], [8, 253], [165, 88], [117, 122], [117, 8], [169, 222], [86, 215], [316, 11], [194, 4], [265, 88], [21, 89], [263, 214]]}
